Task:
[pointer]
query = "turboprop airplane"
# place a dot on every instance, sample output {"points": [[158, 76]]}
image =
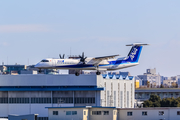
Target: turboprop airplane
{"points": [[97, 63]]}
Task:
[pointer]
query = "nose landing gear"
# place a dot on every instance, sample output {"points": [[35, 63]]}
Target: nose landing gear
{"points": [[39, 70]]}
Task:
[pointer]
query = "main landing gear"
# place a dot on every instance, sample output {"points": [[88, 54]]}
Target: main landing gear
{"points": [[98, 73], [77, 73]]}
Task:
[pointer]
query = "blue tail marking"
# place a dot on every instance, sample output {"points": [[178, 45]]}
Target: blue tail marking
{"points": [[134, 54]]}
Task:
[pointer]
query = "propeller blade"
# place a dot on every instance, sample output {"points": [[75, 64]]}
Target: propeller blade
{"points": [[60, 56], [63, 56], [83, 55]]}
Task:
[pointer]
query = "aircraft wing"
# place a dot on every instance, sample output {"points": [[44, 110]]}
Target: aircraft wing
{"points": [[105, 57], [99, 60]]}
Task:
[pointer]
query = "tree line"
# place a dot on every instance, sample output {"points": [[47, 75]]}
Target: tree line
{"points": [[156, 101]]}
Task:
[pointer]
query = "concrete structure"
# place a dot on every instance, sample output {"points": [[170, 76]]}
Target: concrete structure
{"points": [[170, 83], [82, 113], [144, 94], [136, 84], [149, 114], [11, 69], [30, 94], [178, 80], [152, 77], [112, 113]]}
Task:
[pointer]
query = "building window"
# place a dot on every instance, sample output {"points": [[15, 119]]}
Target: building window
{"points": [[68, 112], [42, 118], [144, 113], [84, 112], [161, 112], [96, 112], [63, 100], [55, 112], [178, 112], [3, 100], [40, 100], [115, 98], [18, 100], [74, 112], [106, 112], [128, 99], [129, 113], [79, 100]]}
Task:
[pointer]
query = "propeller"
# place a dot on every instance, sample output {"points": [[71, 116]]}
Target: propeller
{"points": [[82, 58], [61, 57]]}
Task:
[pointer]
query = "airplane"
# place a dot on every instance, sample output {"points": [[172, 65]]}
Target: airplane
{"points": [[109, 63]]}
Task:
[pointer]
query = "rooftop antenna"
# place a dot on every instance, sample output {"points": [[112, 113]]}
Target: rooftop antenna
{"points": [[7, 60], [70, 51]]}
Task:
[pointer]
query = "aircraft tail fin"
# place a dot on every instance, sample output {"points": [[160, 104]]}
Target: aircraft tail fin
{"points": [[135, 52]]}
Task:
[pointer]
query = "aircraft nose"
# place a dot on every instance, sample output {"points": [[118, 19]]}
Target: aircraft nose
{"points": [[37, 65]]}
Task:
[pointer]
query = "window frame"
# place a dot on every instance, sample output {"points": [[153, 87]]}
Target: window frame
{"points": [[178, 112], [160, 113], [55, 112], [96, 112], [74, 112], [68, 112], [144, 114], [130, 114], [105, 112]]}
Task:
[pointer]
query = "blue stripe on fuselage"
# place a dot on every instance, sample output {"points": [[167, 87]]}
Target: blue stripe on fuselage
{"points": [[117, 62]]}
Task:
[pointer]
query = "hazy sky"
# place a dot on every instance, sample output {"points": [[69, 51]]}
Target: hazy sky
{"points": [[38, 29]]}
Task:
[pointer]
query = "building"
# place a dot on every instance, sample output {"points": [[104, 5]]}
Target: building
{"points": [[151, 77], [178, 80], [144, 94], [170, 83], [112, 113], [82, 113], [136, 84], [30, 94], [12, 69], [161, 113]]}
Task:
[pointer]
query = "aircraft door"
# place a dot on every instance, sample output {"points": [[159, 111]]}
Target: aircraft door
{"points": [[53, 62]]}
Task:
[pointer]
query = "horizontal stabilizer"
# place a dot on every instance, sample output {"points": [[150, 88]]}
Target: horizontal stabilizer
{"points": [[137, 44]]}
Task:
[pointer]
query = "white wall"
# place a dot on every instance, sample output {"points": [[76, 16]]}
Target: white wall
{"points": [[120, 87], [111, 115], [62, 114], [152, 114]]}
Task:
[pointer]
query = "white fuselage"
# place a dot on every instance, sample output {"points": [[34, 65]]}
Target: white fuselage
{"points": [[110, 64]]}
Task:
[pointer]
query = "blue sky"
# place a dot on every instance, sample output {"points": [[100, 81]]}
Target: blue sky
{"points": [[39, 29]]}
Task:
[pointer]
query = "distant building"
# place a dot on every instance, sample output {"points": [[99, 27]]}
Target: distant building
{"points": [[140, 81], [136, 83], [151, 77], [170, 83], [12, 69], [178, 80], [144, 94]]}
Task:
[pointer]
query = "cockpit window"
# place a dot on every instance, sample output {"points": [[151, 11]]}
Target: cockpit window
{"points": [[45, 61]]}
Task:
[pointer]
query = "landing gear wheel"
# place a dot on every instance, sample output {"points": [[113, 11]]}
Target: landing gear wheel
{"points": [[77, 74], [98, 73]]}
